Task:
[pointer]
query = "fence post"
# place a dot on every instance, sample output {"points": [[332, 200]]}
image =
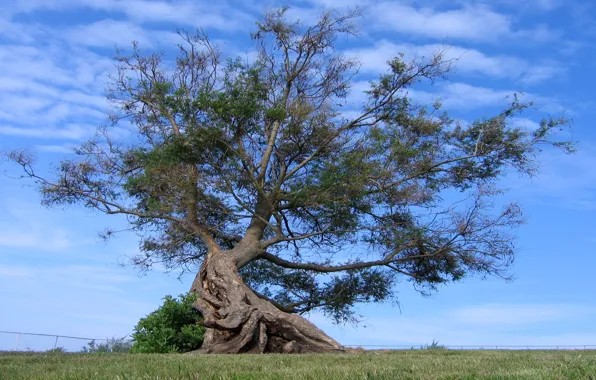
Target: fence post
{"points": [[56, 342], [17, 343]]}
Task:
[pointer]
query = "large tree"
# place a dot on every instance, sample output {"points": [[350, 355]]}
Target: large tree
{"points": [[254, 173]]}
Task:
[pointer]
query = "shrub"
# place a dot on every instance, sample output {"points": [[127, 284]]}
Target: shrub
{"points": [[57, 350], [433, 346], [171, 328], [110, 345]]}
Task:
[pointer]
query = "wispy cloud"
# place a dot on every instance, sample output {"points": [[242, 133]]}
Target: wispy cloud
{"points": [[524, 123], [467, 61], [501, 315], [567, 181], [494, 324], [218, 15], [69, 131], [28, 228], [110, 33], [464, 96], [44, 94], [535, 5], [62, 149], [78, 299], [34, 235], [470, 22], [39, 238], [15, 271]]}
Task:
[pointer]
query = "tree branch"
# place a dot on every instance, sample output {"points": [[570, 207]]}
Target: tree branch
{"points": [[330, 268]]}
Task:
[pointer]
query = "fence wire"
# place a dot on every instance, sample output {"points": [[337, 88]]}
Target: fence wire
{"points": [[473, 347], [44, 342], [20, 343]]}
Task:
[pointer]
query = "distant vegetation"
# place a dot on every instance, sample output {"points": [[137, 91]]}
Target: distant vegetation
{"points": [[433, 346], [109, 346]]}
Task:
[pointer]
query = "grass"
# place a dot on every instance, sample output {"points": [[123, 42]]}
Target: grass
{"points": [[409, 364]]}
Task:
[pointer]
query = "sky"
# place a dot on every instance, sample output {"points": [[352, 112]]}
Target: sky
{"points": [[58, 277]]}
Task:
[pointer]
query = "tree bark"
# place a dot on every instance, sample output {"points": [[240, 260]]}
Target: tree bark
{"points": [[239, 321]]}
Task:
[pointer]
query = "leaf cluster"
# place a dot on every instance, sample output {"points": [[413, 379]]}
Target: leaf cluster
{"points": [[173, 327]]}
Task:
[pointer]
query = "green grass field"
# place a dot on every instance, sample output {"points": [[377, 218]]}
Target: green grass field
{"points": [[410, 364]]}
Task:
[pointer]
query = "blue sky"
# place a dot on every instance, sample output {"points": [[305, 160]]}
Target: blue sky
{"points": [[58, 277]]}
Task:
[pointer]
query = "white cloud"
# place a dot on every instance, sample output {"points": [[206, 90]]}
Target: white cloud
{"points": [[534, 5], [108, 33], [473, 22], [27, 228], [49, 92], [69, 131], [500, 315], [77, 299], [462, 96], [20, 32], [34, 235], [493, 324], [374, 59], [84, 290], [48, 65], [55, 148], [335, 4], [524, 123], [15, 271], [567, 181], [10, 83], [465, 97], [217, 15]]}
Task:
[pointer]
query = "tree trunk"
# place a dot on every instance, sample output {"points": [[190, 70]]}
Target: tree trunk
{"points": [[239, 321]]}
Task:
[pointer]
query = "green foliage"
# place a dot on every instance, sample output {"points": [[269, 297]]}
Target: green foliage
{"points": [[276, 114], [433, 346], [111, 345], [57, 350], [171, 328]]}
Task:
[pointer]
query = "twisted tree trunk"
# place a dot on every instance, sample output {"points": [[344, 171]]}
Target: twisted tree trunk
{"points": [[239, 321]]}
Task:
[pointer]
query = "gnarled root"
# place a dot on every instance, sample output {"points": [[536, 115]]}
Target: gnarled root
{"points": [[239, 321]]}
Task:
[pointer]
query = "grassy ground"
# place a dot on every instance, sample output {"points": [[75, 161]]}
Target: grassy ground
{"points": [[411, 364]]}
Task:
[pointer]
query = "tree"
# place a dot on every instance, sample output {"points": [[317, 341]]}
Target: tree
{"points": [[251, 171]]}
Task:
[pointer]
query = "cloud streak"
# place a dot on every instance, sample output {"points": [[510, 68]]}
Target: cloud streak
{"points": [[472, 22], [217, 15], [492, 324], [465, 61]]}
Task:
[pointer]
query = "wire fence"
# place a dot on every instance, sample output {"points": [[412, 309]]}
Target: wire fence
{"points": [[473, 347], [44, 342], [65, 342]]}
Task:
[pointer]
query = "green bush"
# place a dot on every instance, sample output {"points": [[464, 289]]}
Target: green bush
{"points": [[110, 345], [57, 350], [433, 346], [171, 328]]}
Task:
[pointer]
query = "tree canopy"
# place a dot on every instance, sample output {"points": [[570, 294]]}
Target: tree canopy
{"points": [[322, 206]]}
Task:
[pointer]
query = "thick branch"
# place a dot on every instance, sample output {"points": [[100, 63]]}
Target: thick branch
{"points": [[330, 268]]}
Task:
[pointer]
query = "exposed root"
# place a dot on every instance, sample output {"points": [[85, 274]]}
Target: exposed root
{"points": [[238, 321]]}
